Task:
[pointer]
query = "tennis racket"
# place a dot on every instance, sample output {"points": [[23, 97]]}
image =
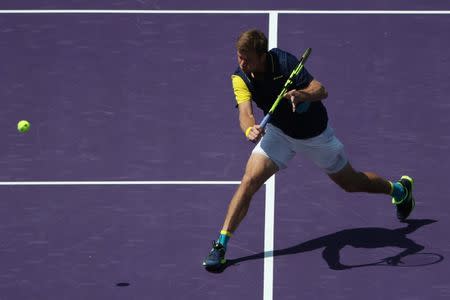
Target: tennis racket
{"points": [[286, 87]]}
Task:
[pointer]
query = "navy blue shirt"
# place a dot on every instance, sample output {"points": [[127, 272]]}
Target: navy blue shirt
{"points": [[309, 120]]}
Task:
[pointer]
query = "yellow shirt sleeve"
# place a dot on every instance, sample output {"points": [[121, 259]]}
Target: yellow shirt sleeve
{"points": [[240, 89]]}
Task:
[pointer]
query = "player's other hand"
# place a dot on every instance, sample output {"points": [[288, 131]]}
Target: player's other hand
{"points": [[295, 97], [255, 134]]}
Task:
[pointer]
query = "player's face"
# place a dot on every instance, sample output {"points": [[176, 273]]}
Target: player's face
{"points": [[251, 62]]}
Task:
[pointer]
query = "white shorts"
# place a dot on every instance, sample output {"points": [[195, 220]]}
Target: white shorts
{"points": [[325, 150]]}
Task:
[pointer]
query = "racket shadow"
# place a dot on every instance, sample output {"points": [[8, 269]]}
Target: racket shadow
{"points": [[368, 237]]}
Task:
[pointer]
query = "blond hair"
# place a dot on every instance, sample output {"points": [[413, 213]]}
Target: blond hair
{"points": [[252, 41]]}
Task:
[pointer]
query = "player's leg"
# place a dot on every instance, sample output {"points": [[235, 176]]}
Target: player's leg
{"points": [[351, 180], [270, 155], [259, 168], [328, 153]]}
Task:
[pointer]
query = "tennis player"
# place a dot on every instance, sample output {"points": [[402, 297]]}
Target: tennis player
{"points": [[298, 125]]}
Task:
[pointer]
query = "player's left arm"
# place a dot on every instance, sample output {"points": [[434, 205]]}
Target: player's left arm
{"points": [[315, 91]]}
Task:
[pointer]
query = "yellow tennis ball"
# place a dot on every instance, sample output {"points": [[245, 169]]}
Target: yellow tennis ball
{"points": [[23, 126]]}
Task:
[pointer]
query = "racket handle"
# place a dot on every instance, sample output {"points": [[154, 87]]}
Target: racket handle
{"points": [[265, 121]]}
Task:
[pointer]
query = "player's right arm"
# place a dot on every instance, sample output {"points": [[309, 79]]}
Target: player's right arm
{"points": [[246, 117], [247, 120]]}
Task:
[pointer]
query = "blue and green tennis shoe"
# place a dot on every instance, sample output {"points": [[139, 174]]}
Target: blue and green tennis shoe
{"points": [[216, 257], [406, 205]]}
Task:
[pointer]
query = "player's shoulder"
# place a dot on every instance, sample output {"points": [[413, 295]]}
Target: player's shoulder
{"points": [[238, 72], [280, 52], [285, 58], [282, 60], [276, 51]]}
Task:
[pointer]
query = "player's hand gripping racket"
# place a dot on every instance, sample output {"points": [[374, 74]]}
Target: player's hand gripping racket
{"points": [[286, 87]]}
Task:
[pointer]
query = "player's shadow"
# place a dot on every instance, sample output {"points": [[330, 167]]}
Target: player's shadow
{"points": [[370, 238]]}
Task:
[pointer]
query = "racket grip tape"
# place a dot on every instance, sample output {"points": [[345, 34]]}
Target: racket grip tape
{"points": [[265, 121]]}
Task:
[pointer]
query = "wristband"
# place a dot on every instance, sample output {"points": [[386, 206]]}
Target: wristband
{"points": [[248, 131]]}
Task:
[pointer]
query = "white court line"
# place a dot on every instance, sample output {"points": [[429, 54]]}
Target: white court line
{"points": [[269, 216], [307, 12], [269, 225], [24, 183]]}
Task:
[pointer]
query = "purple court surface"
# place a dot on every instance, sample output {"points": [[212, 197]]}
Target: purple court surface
{"points": [[147, 97]]}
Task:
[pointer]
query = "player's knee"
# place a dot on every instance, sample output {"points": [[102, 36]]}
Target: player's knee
{"points": [[250, 182]]}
